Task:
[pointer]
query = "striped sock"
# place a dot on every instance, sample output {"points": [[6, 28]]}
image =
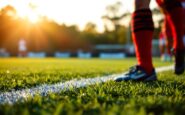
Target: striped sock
{"points": [[142, 33]]}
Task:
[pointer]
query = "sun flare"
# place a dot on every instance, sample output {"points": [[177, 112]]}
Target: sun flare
{"points": [[30, 16], [69, 12], [29, 12]]}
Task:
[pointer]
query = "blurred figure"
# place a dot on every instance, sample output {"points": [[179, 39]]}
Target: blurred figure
{"points": [[22, 48], [183, 5], [165, 42], [142, 33], [4, 53]]}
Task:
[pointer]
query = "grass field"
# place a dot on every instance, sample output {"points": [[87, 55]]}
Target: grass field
{"points": [[165, 96]]}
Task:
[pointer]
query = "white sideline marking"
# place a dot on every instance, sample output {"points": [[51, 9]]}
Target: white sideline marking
{"points": [[162, 69], [43, 90]]}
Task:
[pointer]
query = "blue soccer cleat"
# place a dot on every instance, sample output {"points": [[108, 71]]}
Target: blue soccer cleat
{"points": [[137, 73]]}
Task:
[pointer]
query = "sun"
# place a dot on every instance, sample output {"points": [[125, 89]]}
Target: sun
{"points": [[28, 12], [32, 17]]}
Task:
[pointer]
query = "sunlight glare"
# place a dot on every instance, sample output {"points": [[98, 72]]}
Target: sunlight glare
{"points": [[69, 12], [27, 11]]}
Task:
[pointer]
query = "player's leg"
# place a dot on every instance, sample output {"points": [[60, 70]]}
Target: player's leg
{"points": [[176, 18], [142, 32], [166, 27]]}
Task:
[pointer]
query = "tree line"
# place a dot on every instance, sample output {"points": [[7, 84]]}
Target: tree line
{"points": [[49, 36]]}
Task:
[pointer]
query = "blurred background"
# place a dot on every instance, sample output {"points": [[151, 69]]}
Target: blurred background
{"points": [[68, 28]]}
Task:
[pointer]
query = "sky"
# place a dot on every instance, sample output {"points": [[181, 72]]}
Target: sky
{"points": [[69, 12]]}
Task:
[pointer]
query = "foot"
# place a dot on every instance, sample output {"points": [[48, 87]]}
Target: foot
{"points": [[179, 62], [166, 58], [137, 73]]}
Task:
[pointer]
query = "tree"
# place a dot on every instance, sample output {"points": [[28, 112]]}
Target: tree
{"points": [[115, 16], [8, 26], [91, 28]]}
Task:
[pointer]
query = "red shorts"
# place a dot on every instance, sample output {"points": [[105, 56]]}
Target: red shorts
{"points": [[162, 2], [167, 27]]}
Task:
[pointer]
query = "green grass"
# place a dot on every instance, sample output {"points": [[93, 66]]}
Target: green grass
{"points": [[25, 73], [21, 73], [166, 96]]}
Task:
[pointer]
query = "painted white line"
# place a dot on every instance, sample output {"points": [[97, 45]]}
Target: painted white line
{"points": [[161, 69], [43, 90]]}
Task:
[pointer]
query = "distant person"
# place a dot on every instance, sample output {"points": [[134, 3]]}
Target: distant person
{"points": [[165, 42], [142, 33], [22, 48], [183, 5]]}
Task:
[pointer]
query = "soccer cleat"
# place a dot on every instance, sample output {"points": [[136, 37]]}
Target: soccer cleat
{"points": [[136, 73], [179, 62], [166, 58]]}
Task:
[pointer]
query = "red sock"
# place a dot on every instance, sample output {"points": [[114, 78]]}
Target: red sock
{"points": [[176, 17], [142, 32]]}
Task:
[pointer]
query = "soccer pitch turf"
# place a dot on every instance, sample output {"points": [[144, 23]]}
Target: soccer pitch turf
{"points": [[166, 96]]}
